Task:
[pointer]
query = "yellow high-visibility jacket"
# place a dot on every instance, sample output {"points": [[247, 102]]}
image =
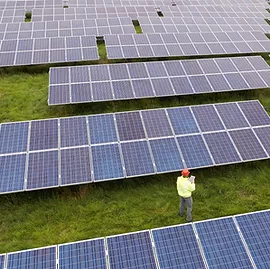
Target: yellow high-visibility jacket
{"points": [[184, 186]]}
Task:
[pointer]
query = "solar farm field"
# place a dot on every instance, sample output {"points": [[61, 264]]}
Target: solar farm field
{"points": [[126, 114]]}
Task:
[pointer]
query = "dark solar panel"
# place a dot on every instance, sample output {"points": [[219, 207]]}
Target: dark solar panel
{"points": [[129, 126], [75, 166], [247, 144], [156, 123], [255, 113], [42, 170], [207, 118], [44, 134], [231, 116], [221, 148]]}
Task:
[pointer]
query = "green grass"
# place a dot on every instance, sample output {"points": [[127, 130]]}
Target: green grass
{"points": [[68, 214], [40, 218]]}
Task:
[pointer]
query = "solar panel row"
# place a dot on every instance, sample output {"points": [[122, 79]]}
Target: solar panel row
{"points": [[9, 15], [156, 79], [72, 13], [199, 24], [28, 5], [184, 44], [216, 243], [97, 27], [48, 50], [49, 153], [81, 3]]}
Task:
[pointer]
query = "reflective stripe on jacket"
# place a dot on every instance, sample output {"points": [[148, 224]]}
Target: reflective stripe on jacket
{"points": [[184, 186]]}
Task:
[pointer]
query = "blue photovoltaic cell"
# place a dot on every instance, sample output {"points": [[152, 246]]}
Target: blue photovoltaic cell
{"points": [[156, 123], [177, 247], [59, 75], [221, 148], [222, 244], [102, 129], [255, 113], [44, 258], [13, 137], [132, 251], [137, 158], [207, 118], [255, 229], [81, 93], [44, 134], [42, 170], [264, 135], [82, 255], [12, 172], [194, 151], [166, 155], [59, 94], [75, 166], [2, 261], [182, 120], [247, 144], [107, 162], [73, 132], [129, 126], [231, 116]]}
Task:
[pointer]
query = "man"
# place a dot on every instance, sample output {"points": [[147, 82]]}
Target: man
{"points": [[185, 187]]}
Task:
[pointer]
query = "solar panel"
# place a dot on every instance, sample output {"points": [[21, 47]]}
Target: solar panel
{"points": [[222, 244], [143, 80], [102, 129], [2, 261], [129, 144], [130, 126], [166, 155], [43, 258], [13, 137], [75, 166], [247, 144], [255, 229], [263, 134], [42, 170], [194, 151], [44, 134], [221, 148], [156, 123], [131, 251], [107, 162], [85, 254], [231, 116], [12, 173], [177, 247], [254, 113], [137, 158], [73, 132], [207, 118]]}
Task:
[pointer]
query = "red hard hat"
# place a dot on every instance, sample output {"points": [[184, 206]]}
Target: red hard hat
{"points": [[185, 172]]}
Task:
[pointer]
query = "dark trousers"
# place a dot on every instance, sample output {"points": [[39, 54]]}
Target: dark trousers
{"points": [[188, 202]]}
